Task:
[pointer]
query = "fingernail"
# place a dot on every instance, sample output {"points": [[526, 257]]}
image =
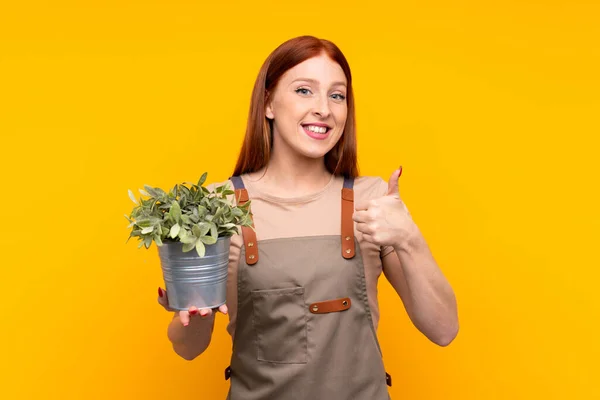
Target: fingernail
{"points": [[193, 312], [160, 292], [203, 315], [185, 324], [400, 171]]}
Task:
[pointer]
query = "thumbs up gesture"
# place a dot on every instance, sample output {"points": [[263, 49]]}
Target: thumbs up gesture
{"points": [[386, 221]]}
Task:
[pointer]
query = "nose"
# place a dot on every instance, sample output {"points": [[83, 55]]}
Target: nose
{"points": [[321, 107]]}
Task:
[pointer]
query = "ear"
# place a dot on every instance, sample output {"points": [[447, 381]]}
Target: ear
{"points": [[268, 107], [269, 112]]}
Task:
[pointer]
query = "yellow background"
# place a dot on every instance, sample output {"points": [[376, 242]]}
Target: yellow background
{"points": [[492, 109]]}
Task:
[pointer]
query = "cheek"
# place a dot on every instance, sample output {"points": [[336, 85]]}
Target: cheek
{"points": [[289, 112], [340, 115]]}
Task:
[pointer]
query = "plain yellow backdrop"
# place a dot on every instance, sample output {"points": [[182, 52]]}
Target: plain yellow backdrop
{"points": [[493, 109]]}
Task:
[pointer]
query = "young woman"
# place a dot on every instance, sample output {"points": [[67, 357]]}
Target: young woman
{"points": [[302, 289]]}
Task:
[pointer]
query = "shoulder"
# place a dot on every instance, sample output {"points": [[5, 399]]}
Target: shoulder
{"points": [[369, 187]]}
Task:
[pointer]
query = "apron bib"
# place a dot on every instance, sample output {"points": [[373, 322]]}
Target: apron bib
{"points": [[304, 327]]}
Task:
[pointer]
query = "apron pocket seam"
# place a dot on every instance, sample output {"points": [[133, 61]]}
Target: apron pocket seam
{"points": [[280, 325]]}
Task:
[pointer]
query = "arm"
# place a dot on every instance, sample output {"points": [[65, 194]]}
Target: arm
{"points": [[427, 296]]}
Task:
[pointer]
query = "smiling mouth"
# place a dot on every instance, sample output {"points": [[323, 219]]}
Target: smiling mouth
{"points": [[317, 129]]}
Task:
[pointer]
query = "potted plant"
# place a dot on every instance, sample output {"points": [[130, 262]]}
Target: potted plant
{"points": [[192, 227]]}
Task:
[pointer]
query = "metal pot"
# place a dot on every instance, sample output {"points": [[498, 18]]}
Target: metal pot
{"points": [[194, 281]]}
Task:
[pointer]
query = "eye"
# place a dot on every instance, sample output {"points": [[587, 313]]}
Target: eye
{"points": [[303, 91], [338, 96]]}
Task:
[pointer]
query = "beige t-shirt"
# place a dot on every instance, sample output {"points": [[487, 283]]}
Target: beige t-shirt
{"points": [[309, 215]]}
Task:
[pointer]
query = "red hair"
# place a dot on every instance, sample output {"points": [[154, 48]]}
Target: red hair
{"points": [[256, 149]]}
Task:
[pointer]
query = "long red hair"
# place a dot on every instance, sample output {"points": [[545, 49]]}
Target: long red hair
{"points": [[256, 149]]}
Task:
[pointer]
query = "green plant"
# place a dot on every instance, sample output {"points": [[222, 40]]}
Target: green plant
{"points": [[191, 215]]}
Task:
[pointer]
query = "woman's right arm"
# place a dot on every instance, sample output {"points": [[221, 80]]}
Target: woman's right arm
{"points": [[189, 331]]}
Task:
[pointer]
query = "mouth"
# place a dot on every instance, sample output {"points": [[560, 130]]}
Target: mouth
{"points": [[317, 131]]}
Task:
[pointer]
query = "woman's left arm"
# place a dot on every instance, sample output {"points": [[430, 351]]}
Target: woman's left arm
{"points": [[427, 296], [411, 269]]}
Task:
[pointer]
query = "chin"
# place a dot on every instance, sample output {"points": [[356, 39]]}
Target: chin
{"points": [[313, 151], [314, 155]]}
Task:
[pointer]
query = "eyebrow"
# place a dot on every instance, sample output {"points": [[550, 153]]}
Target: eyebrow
{"points": [[339, 83]]}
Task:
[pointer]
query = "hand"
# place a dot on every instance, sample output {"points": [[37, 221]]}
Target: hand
{"points": [[185, 316], [386, 221]]}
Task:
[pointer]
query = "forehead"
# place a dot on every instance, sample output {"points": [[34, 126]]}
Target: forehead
{"points": [[321, 68]]}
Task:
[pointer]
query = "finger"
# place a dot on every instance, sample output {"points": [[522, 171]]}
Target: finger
{"points": [[393, 187], [163, 300], [368, 238], [359, 216], [205, 312], [361, 205], [224, 309], [363, 228], [184, 317]]}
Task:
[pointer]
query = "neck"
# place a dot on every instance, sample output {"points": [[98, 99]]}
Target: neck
{"points": [[292, 176]]}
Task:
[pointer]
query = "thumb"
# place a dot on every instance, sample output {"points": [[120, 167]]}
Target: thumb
{"points": [[163, 300], [393, 187]]}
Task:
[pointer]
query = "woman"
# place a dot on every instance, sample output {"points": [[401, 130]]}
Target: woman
{"points": [[302, 287]]}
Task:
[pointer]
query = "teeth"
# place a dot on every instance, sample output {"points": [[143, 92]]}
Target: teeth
{"points": [[316, 129]]}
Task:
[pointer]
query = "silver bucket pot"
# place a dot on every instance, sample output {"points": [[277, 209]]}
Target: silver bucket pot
{"points": [[195, 281]]}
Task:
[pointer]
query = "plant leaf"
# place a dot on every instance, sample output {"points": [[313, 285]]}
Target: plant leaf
{"points": [[158, 240], [151, 190], [208, 239], [175, 230], [160, 192], [188, 239], [204, 228], [200, 248], [175, 211], [184, 189], [145, 222], [147, 230], [197, 231], [189, 246], [202, 179], [143, 192], [218, 213], [132, 197]]}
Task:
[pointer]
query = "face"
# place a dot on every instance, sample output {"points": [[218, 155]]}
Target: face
{"points": [[308, 108]]}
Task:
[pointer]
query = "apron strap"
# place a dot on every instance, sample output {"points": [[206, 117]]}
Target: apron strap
{"points": [[348, 246], [249, 235]]}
